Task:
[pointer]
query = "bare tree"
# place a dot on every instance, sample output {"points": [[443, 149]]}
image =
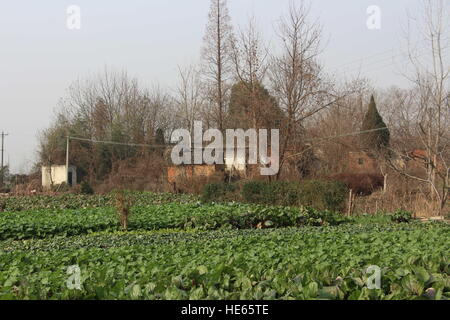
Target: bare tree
{"points": [[158, 113], [216, 59], [249, 56], [431, 78], [189, 99], [107, 107], [341, 121], [297, 78]]}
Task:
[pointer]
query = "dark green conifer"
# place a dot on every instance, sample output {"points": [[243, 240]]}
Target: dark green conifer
{"points": [[374, 140]]}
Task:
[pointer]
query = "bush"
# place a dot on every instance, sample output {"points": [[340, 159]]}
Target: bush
{"points": [[258, 192], [85, 188], [321, 195], [361, 183], [5, 190], [400, 216], [196, 184], [330, 195], [220, 192]]}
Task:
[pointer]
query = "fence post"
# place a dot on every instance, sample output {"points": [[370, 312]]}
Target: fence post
{"points": [[350, 203]]}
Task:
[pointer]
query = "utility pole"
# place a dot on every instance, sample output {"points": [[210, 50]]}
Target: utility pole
{"points": [[2, 151]]}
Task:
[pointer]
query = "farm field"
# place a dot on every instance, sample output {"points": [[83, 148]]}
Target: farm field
{"points": [[179, 248]]}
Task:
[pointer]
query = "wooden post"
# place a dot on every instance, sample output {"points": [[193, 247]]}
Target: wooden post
{"points": [[350, 203], [174, 185]]}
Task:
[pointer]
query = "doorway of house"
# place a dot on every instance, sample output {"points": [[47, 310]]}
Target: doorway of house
{"points": [[70, 178]]}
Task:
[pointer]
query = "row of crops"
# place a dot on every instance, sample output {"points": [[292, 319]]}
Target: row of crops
{"points": [[79, 201], [285, 263], [178, 248], [45, 223]]}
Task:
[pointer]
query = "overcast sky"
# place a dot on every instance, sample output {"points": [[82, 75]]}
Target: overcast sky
{"points": [[40, 57]]}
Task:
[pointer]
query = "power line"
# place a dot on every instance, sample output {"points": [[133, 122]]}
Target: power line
{"points": [[118, 143], [164, 146], [381, 54], [132, 144], [336, 137], [350, 134], [371, 65], [361, 60], [105, 142]]}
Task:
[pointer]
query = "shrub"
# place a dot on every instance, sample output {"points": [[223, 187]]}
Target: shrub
{"points": [[85, 188], [219, 191], [258, 192], [330, 195], [361, 183], [322, 195], [400, 216], [195, 185]]}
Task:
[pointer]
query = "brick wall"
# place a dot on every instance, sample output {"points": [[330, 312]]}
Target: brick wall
{"points": [[190, 171]]}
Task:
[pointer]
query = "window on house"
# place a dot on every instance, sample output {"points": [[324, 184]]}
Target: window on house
{"points": [[360, 161]]}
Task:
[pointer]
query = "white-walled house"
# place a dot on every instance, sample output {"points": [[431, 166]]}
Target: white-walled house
{"points": [[56, 174]]}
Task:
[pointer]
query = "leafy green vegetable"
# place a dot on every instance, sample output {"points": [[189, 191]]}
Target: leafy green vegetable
{"points": [[44, 223], [286, 263], [401, 216], [178, 248], [79, 201]]}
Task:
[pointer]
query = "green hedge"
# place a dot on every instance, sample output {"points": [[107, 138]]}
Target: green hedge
{"points": [[321, 195], [219, 192]]}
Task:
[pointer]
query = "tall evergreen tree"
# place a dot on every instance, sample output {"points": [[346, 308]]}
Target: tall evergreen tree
{"points": [[375, 140], [248, 109]]}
